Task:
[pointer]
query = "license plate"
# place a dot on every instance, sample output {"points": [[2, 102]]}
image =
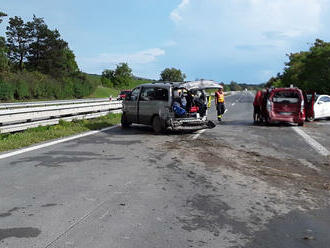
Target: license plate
{"points": [[285, 113]]}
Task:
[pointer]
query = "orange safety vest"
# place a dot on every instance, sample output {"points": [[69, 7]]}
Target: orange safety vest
{"points": [[220, 97]]}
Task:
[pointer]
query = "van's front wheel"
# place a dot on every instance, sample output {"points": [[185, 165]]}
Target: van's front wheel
{"points": [[157, 125]]}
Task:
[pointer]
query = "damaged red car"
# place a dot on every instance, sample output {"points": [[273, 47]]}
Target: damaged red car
{"points": [[282, 105]]}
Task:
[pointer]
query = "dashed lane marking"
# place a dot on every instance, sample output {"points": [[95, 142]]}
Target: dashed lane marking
{"points": [[37, 147], [312, 142], [198, 134]]}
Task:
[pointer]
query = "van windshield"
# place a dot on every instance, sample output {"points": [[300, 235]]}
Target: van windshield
{"points": [[286, 97]]}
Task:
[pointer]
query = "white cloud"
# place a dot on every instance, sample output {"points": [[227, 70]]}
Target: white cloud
{"points": [[108, 60], [253, 35], [141, 57], [175, 15], [280, 19], [169, 43]]}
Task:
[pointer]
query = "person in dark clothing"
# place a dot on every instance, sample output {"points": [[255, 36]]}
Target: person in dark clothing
{"points": [[257, 104]]}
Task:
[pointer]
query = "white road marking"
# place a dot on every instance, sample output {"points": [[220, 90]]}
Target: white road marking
{"points": [[233, 104], [323, 123], [198, 133], [308, 164], [312, 142], [29, 149]]}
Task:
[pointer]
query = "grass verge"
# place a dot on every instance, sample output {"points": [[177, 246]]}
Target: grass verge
{"points": [[40, 134], [103, 92]]}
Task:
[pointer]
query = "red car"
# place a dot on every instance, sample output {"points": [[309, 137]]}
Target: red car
{"points": [[283, 105], [122, 95]]}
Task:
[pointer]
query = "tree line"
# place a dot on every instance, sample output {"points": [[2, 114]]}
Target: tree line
{"points": [[122, 75], [307, 70], [35, 62]]}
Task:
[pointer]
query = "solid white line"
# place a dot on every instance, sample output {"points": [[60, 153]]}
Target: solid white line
{"points": [[198, 134], [29, 149], [323, 123], [312, 142]]}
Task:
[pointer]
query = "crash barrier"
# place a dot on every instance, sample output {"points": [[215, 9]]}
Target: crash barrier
{"points": [[20, 116]]}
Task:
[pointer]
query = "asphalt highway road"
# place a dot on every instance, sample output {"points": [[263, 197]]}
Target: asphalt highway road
{"points": [[237, 185]]}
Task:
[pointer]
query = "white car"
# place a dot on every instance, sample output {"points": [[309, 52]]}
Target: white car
{"points": [[322, 107]]}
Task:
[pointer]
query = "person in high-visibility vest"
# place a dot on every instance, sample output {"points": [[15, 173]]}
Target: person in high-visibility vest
{"points": [[220, 103]]}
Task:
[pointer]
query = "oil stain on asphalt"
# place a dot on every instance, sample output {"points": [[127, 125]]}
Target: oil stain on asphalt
{"points": [[19, 232]]}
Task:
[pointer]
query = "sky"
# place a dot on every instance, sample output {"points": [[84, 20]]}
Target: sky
{"points": [[246, 41]]}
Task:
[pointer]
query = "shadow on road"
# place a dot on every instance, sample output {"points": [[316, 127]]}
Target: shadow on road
{"points": [[144, 130]]}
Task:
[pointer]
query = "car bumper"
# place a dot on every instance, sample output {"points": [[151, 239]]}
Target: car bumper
{"points": [[189, 124], [299, 118]]}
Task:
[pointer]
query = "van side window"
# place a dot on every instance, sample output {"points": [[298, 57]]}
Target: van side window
{"points": [[161, 94], [147, 94], [154, 94], [135, 94]]}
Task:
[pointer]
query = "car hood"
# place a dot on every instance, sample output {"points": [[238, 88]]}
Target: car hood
{"points": [[201, 84]]}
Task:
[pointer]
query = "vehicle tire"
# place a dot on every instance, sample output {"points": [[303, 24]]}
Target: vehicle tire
{"points": [[124, 122], [300, 124], [311, 118], [157, 125]]}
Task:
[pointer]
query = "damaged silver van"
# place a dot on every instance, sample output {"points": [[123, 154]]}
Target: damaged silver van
{"points": [[169, 106]]}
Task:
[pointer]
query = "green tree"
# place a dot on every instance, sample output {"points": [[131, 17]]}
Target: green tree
{"points": [[308, 70], [172, 75], [234, 86], [120, 77], [38, 32], [18, 41], [107, 78], [4, 66]]}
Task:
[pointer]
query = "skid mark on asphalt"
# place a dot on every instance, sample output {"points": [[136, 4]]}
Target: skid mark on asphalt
{"points": [[312, 142]]}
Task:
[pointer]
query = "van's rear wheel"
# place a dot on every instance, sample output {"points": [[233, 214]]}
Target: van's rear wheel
{"points": [[300, 124], [124, 122], [157, 125]]}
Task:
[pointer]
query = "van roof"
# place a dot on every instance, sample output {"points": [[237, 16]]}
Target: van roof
{"points": [[162, 84]]}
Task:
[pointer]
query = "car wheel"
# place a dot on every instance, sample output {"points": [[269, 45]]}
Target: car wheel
{"points": [[300, 124], [310, 118], [157, 125], [124, 122]]}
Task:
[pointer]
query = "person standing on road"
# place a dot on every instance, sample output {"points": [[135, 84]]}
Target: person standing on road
{"points": [[257, 106], [220, 103]]}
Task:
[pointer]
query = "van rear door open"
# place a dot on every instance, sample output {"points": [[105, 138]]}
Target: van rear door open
{"points": [[286, 102]]}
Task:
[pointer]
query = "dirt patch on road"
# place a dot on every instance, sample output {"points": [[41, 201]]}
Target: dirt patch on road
{"points": [[285, 173]]}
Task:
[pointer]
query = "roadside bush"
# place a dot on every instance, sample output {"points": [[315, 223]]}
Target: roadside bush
{"points": [[36, 85], [6, 91], [21, 90], [106, 82]]}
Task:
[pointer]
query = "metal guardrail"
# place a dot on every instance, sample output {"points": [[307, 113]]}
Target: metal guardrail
{"points": [[48, 103], [20, 116]]}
